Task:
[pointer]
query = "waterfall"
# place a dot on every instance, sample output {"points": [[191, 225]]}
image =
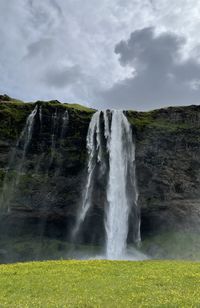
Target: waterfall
{"points": [[65, 120], [53, 129], [40, 116], [25, 137], [94, 154], [24, 140], [121, 191], [121, 158]]}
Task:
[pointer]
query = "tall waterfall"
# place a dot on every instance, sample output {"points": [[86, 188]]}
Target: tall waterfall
{"points": [[113, 129], [122, 157]]}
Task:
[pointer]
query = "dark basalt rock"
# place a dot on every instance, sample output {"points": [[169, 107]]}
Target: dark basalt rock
{"points": [[50, 190]]}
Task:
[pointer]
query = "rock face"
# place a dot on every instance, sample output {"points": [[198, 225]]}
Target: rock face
{"points": [[49, 190], [168, 168]]}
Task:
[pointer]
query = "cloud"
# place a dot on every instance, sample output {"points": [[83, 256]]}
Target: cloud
{"points": [[62, 77], [43, 15], [160, 74], [41, 38], [41, 46]]}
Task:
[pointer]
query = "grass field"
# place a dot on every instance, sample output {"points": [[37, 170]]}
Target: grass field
{"points": [[100, 284]]}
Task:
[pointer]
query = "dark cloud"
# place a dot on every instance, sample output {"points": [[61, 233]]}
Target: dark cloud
{"points": [[162, 77], [62, 77], [44, 14], [40, 47]]}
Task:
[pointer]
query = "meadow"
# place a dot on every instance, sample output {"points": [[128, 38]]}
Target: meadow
{"points": [[100, 283]]}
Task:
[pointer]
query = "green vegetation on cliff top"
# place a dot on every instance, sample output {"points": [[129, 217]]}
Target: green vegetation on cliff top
{"points": [[170, 119], [100, 284], [15, 102], [13, 113]]}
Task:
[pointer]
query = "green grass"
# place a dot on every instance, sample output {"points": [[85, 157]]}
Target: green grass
{"points": [[153, 120], [81, 107], [13, 114], [100, 284], [12, 118]]}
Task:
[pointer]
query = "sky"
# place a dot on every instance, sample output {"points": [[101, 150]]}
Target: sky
{"points": [[119, 54]]}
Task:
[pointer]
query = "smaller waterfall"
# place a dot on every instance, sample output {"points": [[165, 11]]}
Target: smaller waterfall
{"points": [[94, 153], [54, 119], [24, 140], [65, 120], [106, 128], [40, 116]]}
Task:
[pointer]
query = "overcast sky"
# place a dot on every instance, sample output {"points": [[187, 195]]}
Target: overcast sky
{"points": [[127, 54]]}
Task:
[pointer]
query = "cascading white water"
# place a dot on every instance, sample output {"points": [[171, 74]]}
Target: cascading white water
{"points": [[121, 157], [26, 134], [122, 192], [106, 125], [24, 138], [40, 115], [65, 120], [54, 119], [93, 147]]}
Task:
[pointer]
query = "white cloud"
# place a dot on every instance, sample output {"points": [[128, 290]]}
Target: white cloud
{"points": [[36, 36]]}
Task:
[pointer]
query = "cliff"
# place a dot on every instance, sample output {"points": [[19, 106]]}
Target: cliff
{"points": [[49, 190], [51, 179], [167, 147]]}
